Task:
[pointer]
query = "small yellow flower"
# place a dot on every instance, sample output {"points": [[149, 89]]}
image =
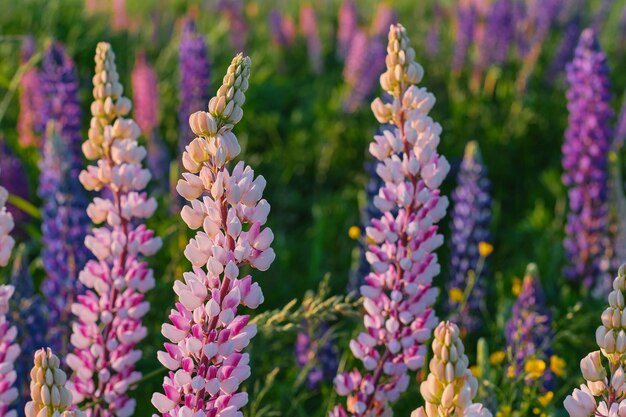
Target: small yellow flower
{"points": [[455, 295], [496, 358], [510, 372], [354, 232], [545, 399], [535, 368], [557, 365], [485, 249], [536, 411], [517, 286], [505, 411], [475, 370]]}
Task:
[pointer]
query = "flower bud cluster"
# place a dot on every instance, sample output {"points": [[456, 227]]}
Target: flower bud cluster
{"points": [[49, 396], [6, 225], [604, 393], [398, 295], [108, 316], [450, 386], [9, 352], [206, 333]]}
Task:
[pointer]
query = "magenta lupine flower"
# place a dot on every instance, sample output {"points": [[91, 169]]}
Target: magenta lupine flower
{"points": [[9, 351], [308, 26], [108, 315], [347, 26], [119, 18], [207, 334], [585, 162], [29, 123], [398, 293], [238, 28]]}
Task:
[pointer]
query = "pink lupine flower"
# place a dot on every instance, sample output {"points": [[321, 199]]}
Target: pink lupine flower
{"points": [[108, 316], [9, 351], [398, 295], [6, 225], [207, 334], [308, 26]]}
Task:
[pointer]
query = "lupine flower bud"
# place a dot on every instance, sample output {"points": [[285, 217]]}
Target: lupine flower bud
{"points": [[49, 396], [105, 334], [9, 352], [206, 333], [585, 160], [397, 293], [450, 386]]}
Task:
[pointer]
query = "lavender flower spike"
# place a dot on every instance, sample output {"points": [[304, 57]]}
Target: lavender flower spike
{"points": [[585, 162], [398, 293], [308, 25], [470, 218], [347, 26]]}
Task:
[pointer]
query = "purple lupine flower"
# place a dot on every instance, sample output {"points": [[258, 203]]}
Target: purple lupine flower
{"points": [[314, 349], [64, 221], [194, 78], [372, 67], [529, 330], [238, 27], [347, 26], [499, 33], [585, 158], [356, 58], [384, 17], [533, 21], [470, 219], [620, 127], [31, 100], [14, 179], [283, 28], [9, 352], [466, 15], [28, 314], [565, 50], [308, 26]]}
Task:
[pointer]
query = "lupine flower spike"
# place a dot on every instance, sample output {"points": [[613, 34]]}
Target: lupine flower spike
{"points": [[207, 334], [604, 393], [585, 162], [398, 294], [6, 225], [108, 316], [49, 396], [450, 386]]}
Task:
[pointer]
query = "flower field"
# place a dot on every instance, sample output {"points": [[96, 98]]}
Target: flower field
{"points": [[343, 208]]}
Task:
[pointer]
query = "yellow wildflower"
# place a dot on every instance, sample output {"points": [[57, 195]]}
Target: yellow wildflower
{"points": [[535, 368], [545, 399], [485, 249], [536, 411], [517, 286], [455, 295], [496, 358], [510, 372], [475, 370], [557, 365], [354, 232]]}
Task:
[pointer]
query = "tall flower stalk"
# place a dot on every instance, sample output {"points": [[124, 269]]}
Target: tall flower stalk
{"points": [[347, 26], [108, 324], [308, 26], [470, 218], [207, 333], [398, 294], [29, 126], [585, 162]]}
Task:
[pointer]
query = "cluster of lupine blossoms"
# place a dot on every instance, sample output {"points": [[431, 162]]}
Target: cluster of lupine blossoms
{"points": [[207, 334], [108, 324], [397, 293], [450, 386], [49, 396], [604, 393]]}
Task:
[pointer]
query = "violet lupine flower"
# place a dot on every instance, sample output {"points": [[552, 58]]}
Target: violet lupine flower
{"points": [[29, 317], [585, 162], [64, 226], [194, 78], [356, 59], [238, 28], [499, 33], [620, 127], [308, 26], [283, 28], [529, 330], [108, 324], [371, 67], [450, 388], [146, 99], [9, 352], [347, 26], [398, 294], [31, 100], [384, 17], [470, 219], [466, 16], [565, 50], [14, 181], [207, 334], [314, 349]]}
